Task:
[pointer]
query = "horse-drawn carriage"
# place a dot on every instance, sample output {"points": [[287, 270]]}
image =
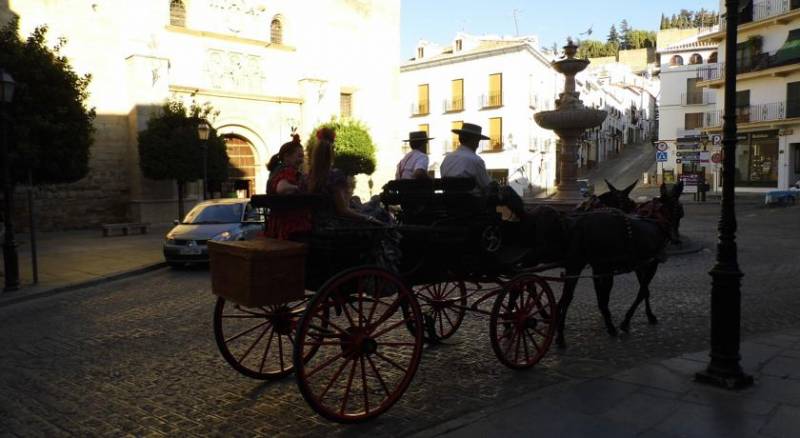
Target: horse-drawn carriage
{"points": [[353, 334]]}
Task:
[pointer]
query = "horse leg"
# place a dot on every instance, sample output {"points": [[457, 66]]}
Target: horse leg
{"points": [[603, 282], [650, 273], [644, 275], [563, 304]]}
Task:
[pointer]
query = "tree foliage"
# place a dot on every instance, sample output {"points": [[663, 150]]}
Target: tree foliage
{"points": [[51, 126], [355, 151], [170, 149], [686, 19]]}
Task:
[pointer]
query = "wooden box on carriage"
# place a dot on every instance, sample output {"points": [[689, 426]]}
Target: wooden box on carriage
{"points": [[258, 272]]}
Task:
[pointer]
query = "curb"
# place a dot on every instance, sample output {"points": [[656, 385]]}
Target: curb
{"points": [[70, 287]]}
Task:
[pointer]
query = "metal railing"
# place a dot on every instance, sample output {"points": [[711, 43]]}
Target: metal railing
{"points": [[420, 109], [491, 100], [453, 105], [770, 8], [765, 112], [698, 98], [491, 145]]}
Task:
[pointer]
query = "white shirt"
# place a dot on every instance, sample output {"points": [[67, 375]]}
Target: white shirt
{"points": [[410, 163], [464, 162]]}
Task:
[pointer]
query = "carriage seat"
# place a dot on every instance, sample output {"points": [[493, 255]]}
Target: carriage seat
{"points": [[287, 202], [425, 200]]}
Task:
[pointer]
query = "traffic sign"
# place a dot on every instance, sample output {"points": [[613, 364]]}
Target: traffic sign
{"points": [[662, 146], [716, 139], [716, 158], [661, 156]]}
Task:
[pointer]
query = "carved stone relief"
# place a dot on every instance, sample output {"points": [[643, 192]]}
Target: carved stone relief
{"points": [[234, 71]]}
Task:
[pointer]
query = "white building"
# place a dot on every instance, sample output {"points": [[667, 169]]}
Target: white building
{"points": [[266, 65], [497, 83], [682, 106], [768, 93], [629, 99]]}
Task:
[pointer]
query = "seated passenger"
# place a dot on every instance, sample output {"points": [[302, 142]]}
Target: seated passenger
{"points": [[285, 178], [325, 180], [338, 212], [465, 162], [414, 164]]}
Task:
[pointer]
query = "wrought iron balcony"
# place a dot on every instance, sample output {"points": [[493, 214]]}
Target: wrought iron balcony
{"points": [[765, 112], [420, 109], [454, 105], [701, 97], [491, 145], [491, 100]]}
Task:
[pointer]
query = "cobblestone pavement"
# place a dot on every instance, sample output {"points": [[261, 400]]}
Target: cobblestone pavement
{"points": [[138, 356]]}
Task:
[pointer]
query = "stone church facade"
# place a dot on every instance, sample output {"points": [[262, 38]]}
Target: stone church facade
{"points": [[267, 66]]}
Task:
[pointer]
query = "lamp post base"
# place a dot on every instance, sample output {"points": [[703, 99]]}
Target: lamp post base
{"points": [[724, 379]]}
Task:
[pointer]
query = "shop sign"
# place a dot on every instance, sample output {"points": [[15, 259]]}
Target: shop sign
{"points": [[694, 156], [690, 182]]}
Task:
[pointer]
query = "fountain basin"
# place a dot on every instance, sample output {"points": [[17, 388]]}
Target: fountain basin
{"points": [[570, 119], [570, 66]]}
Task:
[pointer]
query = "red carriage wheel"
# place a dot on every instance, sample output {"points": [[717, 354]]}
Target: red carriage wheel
{"points": [[258, 341], [443, 307], [365, 356], [523, 321]]}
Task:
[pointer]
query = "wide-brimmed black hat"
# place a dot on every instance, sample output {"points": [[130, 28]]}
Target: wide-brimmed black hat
{"points": [[471, 129], [418, 136]]}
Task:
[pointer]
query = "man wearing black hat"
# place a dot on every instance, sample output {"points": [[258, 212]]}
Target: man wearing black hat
{"points": [[415, 163], [465, 162]]}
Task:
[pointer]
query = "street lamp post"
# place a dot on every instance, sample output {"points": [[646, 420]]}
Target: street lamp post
{"points": [[10, 260], [203, 131], [726, 295]]}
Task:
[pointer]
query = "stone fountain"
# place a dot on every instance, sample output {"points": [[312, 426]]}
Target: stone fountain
{"points": [[569, 120]]}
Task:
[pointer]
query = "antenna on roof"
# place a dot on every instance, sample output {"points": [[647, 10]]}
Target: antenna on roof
{"points": [[516, 24]]}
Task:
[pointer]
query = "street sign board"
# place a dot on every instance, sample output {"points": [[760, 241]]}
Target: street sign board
{"points": [[716, 139], [690, 182], [694, 156], [661, 156]]}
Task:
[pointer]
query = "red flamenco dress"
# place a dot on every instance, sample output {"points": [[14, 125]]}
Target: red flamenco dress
{"points": [[284, 224]]}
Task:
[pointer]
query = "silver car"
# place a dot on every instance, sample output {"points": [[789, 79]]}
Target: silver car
{"points": [[218, 219]]}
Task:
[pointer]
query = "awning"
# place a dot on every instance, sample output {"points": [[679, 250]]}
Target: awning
{"points": [[790, 51]]}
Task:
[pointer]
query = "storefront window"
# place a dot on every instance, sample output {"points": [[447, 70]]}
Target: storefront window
{"points": [[757, 159]]}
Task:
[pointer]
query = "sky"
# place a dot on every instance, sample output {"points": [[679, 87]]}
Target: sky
{"points": [[552, 21]]}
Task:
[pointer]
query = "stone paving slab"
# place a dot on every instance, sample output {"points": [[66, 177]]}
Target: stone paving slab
{"points": [[72, 259], [657, 399]]}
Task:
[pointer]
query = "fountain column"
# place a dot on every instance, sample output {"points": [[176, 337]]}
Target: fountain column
{"points": [[569, 120]]}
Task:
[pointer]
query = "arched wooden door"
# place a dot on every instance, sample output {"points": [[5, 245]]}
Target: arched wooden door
{"points": [[241, 167]]}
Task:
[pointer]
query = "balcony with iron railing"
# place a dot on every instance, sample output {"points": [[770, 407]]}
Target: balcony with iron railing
{"points": [[759, 65], [701, 97], [494, 144], [453, 105], [765, 13], [493, 100], [420, 109], [756, 114]]}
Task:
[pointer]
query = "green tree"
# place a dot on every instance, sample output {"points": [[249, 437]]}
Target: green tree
{"points": [[624, 29], [613, 35], [596, 49], [52, 128], [664, 23], [355, 151], [639, 39], [170, 149]]}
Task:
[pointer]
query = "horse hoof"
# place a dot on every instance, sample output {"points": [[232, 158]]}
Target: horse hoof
{"points": [[625, 327], [612, 331], [652, 319]]}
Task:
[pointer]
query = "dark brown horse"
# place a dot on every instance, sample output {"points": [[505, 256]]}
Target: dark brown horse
{"points": [[611, 242]]}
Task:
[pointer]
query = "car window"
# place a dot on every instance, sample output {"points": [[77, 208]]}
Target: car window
{"points": [[252, 214], [215, 214]]}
